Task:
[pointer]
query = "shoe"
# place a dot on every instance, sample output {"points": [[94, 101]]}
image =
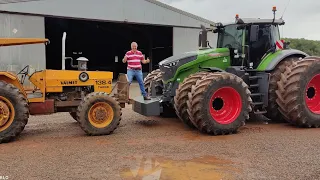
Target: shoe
{"points": [[146, 98]]}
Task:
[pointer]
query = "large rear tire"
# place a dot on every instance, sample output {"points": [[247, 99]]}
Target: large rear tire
{"points": [[181, 97], [299, 95], [272, 110], [156, 76], [219, 103], [99, 114], [14, 112]]}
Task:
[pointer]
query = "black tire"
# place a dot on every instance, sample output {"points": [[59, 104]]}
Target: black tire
{"points": [[154, 75], [292, 92], [272, 110], [181, 97], [12, 129], [200, 97], [73, 115], [83, 114]]}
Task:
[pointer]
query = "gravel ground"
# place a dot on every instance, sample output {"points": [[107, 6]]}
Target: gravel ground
{"points": [[55, 147]]}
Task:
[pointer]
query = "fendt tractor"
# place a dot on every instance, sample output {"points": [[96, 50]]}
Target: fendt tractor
{"points": [[251, 71], [86, 95]]}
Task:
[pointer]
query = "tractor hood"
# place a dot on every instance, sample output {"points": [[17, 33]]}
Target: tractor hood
{"points": [[170, 65], [174, 59], [190, 56]]}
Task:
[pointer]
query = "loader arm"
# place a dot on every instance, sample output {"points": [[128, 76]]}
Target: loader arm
{"points": [[21, 41]]}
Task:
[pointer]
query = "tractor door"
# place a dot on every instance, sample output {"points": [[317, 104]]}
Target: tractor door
{"points": [[260, 41]]}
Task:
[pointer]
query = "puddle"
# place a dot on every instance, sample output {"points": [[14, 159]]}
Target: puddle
{"points": [[204, 168]]}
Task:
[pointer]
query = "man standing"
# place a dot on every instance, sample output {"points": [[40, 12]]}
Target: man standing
{"points": [[134, 68]]}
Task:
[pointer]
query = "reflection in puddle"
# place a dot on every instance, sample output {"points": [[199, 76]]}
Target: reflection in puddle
{"points": [[204, 168]]}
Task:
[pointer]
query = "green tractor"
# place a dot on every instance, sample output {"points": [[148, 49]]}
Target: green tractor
{"points": [[251, 71]]}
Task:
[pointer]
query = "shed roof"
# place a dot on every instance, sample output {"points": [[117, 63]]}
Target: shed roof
{"points": [[152, 11]]}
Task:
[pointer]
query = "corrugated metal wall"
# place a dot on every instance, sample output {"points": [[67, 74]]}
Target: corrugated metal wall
{"points": [[186, 39], [14, 58], [148, 11]]}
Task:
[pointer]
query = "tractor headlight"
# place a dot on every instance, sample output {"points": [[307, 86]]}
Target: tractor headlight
{"points": [[173, 63]]}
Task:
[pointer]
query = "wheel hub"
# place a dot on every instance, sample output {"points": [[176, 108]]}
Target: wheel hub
{"points": [[217, 103], [225, 105], [101, 114], [4, 113], [311, 97]]}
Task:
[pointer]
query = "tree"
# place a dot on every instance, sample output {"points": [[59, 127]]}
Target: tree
{"points": [[310, 47]]}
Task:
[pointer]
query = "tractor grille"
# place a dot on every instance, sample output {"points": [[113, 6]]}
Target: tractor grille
{"points": [[169, 69]]}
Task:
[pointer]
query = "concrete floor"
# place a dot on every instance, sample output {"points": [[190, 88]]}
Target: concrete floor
{"points": [[55, 147]]}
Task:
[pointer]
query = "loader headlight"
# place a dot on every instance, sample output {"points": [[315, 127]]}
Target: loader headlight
{"points": [[83, 77]]}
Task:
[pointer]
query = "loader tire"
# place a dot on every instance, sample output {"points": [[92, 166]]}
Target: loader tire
{"points": [[14, 112], [219, 103], [272, 110], [99, 114], [181, 97], [298, 93], [156, 76]]}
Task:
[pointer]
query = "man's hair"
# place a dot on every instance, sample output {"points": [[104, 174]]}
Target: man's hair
{"points": [[134, 43]]}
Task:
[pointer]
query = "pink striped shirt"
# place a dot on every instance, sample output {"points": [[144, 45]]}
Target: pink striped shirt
{"points": [[134, 59]]}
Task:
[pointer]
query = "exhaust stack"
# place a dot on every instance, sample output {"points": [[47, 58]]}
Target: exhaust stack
{"points": [[64, 51]]}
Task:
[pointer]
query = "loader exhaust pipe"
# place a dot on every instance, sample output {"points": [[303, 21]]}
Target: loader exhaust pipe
{"points": [[64, 51]]}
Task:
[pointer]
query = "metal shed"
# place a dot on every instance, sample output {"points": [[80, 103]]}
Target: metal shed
{"points": [[31, 18]]}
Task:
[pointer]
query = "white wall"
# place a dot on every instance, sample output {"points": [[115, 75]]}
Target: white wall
{"points": [[186, 39], [14, 58]]}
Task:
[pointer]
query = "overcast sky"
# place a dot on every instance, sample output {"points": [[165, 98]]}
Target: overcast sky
{"points": [[302, 17]]}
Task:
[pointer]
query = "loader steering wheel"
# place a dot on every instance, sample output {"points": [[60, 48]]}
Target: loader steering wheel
{"points": [[24, 72]]}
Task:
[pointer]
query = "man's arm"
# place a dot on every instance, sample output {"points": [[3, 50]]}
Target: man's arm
{"points": [[145, 61], [124, 60]]}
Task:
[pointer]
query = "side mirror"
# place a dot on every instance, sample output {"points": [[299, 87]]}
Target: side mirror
{"points": [[199, 40], [254, 33]]}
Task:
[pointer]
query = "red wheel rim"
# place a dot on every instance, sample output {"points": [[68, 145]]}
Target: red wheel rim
{"points": [[312, 97], [225, 105]]}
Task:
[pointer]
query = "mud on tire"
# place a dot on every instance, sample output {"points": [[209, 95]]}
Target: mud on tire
{"points": [[99, 114], [181, 97], [154, 75], [13, 100], [219, 103], [298, 94], [272, 110]]}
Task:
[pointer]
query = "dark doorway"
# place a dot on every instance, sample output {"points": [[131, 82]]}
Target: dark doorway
{"points": [[101, 42]]}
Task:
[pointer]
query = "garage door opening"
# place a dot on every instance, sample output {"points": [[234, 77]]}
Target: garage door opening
{"points": [[102, 42]]}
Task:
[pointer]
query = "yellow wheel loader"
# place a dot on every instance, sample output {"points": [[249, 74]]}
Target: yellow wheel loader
{"points": [[86, 95]]}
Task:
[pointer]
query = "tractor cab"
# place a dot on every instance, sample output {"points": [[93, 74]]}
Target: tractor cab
{"points": [[249, 40]]}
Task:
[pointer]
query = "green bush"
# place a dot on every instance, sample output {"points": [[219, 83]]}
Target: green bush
{"points": [[310, 47]]}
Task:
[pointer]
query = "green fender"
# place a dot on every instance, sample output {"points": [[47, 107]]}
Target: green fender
{"points": [[273, 59]]}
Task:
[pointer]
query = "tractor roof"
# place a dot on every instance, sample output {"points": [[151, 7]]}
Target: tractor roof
{"points": [[252, 21]]}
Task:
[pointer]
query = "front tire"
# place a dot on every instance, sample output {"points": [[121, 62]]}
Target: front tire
{"points": [[219, 103], [99, 114], [156, 76], [299, 95], [181, 97], [272, 110], [14, 112]]}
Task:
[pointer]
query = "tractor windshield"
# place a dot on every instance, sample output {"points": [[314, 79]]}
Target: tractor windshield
{"points": [[230, 37]]}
